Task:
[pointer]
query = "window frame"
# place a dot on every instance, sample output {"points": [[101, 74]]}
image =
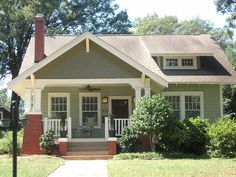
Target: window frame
{"points": [[182, 100], [1, 115], [90, 94], [179, 62], [58, 94]]}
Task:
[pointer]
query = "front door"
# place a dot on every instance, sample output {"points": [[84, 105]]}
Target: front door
{"points": [[120, 108]]}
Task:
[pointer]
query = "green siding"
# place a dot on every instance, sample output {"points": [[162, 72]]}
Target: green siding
{"points": [[74, 99], [78, 64], [211, 97]]}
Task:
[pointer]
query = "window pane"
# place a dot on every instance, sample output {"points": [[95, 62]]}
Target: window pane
{"points": [[192, 106], [59, 107], [175, 102], [187, 62], [171, 62]]}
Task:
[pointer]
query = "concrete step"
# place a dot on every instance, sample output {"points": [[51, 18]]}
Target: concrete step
{"points": [[77, 153], [88, 157], [87, 144], [87, 148]]}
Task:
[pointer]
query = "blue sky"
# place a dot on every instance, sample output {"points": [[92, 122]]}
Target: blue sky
{"points": [[183, 9]]}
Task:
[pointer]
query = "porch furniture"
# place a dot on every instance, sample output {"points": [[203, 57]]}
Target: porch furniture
{"points": [[88, 128]]}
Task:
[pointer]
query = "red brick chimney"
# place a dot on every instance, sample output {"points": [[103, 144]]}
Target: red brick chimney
{"points": [[39, 38]]}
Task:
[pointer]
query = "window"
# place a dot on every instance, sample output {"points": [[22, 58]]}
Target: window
{"points": [[175, 102], [180, 63], [58, 105], [187, 62], [1, 115], [185, 104], [171, 62], [90, 107], [192, 106]]}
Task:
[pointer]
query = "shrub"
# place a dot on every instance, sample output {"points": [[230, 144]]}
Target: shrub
{"points": [[197, 137], [6, 142], [47, 144], [150, 116], [222, 135], [128, 141], [141, 156]]}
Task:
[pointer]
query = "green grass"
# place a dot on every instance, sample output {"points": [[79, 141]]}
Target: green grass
{"points": [[172, 167], [30, 166]]}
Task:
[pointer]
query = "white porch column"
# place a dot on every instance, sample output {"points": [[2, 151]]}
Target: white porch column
{"points": [[28, 100], [147, 91], [138, 93], [147, 88], [37, 99]]}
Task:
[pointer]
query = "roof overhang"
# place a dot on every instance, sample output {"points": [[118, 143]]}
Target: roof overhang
{"points": [[180, 54], [13, 84]]}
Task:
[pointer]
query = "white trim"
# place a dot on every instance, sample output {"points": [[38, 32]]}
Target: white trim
{"points": [[75, 140], [221, 101], [90, 94], [3, 106], [98, 41], [33, 113], [63, 140], [112, 139], [110, 98], [179, 61], [58, 94], [181, 54], [1, 115], [182, 95]]}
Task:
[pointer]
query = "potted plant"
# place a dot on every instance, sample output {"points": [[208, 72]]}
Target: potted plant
{"points": [[111, 126], [63, 131]]}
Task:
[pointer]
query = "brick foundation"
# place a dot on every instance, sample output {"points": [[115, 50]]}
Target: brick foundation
{"points": [[63, 146], [32, 133], [112, 142]]}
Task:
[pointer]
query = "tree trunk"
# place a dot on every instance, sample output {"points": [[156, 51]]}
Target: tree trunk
{"points": [[152, 142]]}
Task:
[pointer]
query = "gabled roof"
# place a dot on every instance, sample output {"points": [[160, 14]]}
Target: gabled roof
{"points": [[29, 67], [137, 50], [5, 107]]}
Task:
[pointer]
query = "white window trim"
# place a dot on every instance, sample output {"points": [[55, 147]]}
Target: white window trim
{"points": [[95, 94], [182, 100], [1, 115], [179, 59], [110, 98], [58, 94]]}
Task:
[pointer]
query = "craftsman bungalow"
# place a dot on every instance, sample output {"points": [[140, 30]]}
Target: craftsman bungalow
{"points": [[84, 79]]}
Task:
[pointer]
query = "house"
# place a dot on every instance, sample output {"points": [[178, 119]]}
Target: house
{"points": [[88, 77], [5, 116]]}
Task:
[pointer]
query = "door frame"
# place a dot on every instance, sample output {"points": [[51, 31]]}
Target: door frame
{"points": [[110, 98], [96, 94]]}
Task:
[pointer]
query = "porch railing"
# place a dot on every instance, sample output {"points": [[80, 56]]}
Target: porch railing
{"points": [[120, 124], [54, 125]]}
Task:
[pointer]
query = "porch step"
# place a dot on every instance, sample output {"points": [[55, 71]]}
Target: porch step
{"points": [[81, 153], [97, 146], [88, 157]]}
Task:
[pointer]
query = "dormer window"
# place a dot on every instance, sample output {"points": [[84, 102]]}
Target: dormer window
{"points": [[179, 62]]}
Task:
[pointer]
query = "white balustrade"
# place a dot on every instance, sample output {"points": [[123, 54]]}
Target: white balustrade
{"points": [[55, 126], [120, 124], [106, 128]]}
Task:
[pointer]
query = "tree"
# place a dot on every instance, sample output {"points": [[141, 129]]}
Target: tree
{"points": [[4, 98], [227, 7], [71, 17], [150, 115]]}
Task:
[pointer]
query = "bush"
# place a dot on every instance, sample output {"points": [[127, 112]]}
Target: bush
{"points": [[47, 144], [6, 142], [150, 115], [222, 135], [141, 156], [128, 141], [197, 137]]}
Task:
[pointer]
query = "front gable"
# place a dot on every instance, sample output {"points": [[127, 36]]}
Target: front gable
{"points": [[77, 63]]}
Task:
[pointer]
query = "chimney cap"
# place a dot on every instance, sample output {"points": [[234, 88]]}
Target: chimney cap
{"points": [[39, 15]]}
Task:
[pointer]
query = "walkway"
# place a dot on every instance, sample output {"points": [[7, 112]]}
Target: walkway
{"points": [[82, 168]]}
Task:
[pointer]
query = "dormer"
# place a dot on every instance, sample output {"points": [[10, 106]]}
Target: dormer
{"points": [[180, 62]]}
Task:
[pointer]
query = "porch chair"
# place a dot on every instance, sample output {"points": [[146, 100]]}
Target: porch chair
{"points": [[88, 128]]}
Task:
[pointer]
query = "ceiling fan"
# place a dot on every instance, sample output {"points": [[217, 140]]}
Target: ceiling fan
{"points": [[88, 88]]}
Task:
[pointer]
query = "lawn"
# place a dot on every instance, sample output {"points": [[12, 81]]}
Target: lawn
{"points": [[30, 166], [175, 168]]}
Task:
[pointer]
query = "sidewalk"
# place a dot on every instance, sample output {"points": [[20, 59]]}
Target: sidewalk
{"points": [[82, 168]]}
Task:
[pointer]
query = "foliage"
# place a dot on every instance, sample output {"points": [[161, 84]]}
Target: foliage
{"points": [[141, 156], [197, 137], [227, 7], [128, 141], [4, 98], [47, 144], [6, 142], [70, 17], [222, 135], [150, 115]]}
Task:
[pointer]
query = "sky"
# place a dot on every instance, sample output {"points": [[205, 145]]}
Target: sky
{"points": [[183, 9]]}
